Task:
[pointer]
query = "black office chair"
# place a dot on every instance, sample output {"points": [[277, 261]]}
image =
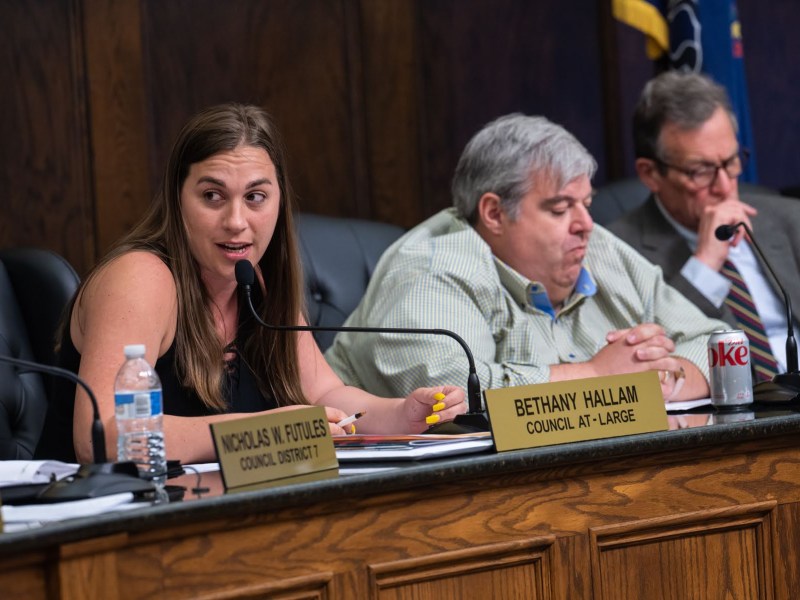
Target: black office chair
{"points": [[339, 256], [616, 198], [35, 287]]}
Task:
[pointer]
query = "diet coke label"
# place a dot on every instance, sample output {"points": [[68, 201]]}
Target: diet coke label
{"points": [[729, 353], [729, 368]]}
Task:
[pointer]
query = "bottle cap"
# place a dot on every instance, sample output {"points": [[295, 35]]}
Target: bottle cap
{"points": [[134, 351]]}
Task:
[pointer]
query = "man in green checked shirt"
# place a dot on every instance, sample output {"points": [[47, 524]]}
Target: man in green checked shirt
{"points": [[520, 271]]}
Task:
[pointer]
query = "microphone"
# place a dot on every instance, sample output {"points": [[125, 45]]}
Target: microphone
{"points": [[473, 421], [99, 478], [789, 381]]}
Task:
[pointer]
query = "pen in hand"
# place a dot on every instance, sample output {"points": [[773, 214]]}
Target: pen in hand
{"points": [[351, 418]]}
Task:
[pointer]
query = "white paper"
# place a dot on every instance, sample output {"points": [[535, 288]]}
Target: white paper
{"points": [[414, 450], [58, 511], [201, 467], [348, 469], [686, 404], [17, 472]]}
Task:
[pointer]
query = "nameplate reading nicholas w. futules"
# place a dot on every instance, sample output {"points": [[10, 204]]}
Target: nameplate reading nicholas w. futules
{"points": [[286, 446], [529, 416]]}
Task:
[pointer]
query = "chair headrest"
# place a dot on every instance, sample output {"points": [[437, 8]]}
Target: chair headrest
{"points": [[339, 256]]}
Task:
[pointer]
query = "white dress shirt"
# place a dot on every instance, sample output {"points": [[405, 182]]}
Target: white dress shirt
{"points": [[715, 286]]}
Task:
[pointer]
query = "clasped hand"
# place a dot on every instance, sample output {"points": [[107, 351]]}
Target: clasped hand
{"points": [[645, 347]]}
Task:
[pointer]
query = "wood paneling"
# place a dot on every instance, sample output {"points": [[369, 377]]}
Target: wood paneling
{"points": [[309, 587], [28, 583], [723, 554], [118, 122], [787, 572], [44, 166], [375, 99], [393, 106], [512, 570], [713, 522], [289, 56], [90, 577]]}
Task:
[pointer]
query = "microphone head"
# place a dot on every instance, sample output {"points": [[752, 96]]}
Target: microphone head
{"points": [[245, 274], [725, 232]]}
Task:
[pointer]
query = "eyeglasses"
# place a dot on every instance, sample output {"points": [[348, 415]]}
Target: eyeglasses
{"points": [[706, 174]]}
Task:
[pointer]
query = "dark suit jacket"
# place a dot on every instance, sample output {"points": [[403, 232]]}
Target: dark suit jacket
{"points": [[776, 229]]}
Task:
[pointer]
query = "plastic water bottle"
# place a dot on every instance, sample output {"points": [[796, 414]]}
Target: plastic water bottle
{"points": [[139, 413]]}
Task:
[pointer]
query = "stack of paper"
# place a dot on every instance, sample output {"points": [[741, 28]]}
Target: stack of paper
{"points": [[16, 472], [16, 518], [408, 447], [686, 404]]}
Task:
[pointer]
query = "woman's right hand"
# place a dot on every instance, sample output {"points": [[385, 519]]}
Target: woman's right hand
{"points": [[334, 415]]}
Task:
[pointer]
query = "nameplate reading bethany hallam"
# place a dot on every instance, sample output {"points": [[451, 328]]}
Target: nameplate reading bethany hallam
{"points": [[267, 447], [529, 416]]}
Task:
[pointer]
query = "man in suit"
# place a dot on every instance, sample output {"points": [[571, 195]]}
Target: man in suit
{"points": [[688, 156]]}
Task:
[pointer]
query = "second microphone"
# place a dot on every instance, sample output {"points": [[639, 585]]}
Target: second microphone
{"points": [[474, 420]]}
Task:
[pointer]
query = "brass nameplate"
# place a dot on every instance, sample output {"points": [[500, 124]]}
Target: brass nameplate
{"points": [[268, 447], [528, 416]]}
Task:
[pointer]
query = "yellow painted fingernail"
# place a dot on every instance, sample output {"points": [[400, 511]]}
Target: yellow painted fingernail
{"points": [[352, 428], [438, 396], [431, 419], [438, 406]]}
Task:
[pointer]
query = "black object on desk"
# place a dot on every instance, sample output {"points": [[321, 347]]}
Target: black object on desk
{"points": [[99, 478], [95, 480], [25, 493], [776, 392], [472, 422]]}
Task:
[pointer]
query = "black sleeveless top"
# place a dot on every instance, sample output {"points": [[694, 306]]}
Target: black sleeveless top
{"points": [[240, 391]]}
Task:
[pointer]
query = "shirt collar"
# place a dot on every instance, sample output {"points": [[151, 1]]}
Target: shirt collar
{"points": [[533, 293], [686, 233]]}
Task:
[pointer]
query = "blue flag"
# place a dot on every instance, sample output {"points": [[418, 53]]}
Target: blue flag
{"points": [[701, 36]]}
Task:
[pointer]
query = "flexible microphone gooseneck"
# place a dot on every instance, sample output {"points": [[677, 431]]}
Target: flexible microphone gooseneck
{"points": [[99, 478], [98, 433], [790, 379], [474, 420]]}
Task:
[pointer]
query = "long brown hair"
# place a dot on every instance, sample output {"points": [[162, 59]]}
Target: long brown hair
{"points": [[199, 352]]}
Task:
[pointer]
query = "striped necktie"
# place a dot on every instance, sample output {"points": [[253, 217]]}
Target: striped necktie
{"points": [[744, 309]]}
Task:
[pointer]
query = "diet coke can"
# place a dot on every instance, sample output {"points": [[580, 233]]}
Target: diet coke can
{"points": [[729, 366]]}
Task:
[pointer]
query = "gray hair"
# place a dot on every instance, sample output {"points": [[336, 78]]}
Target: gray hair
{"points": [[503, 156], [683, 98]]}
